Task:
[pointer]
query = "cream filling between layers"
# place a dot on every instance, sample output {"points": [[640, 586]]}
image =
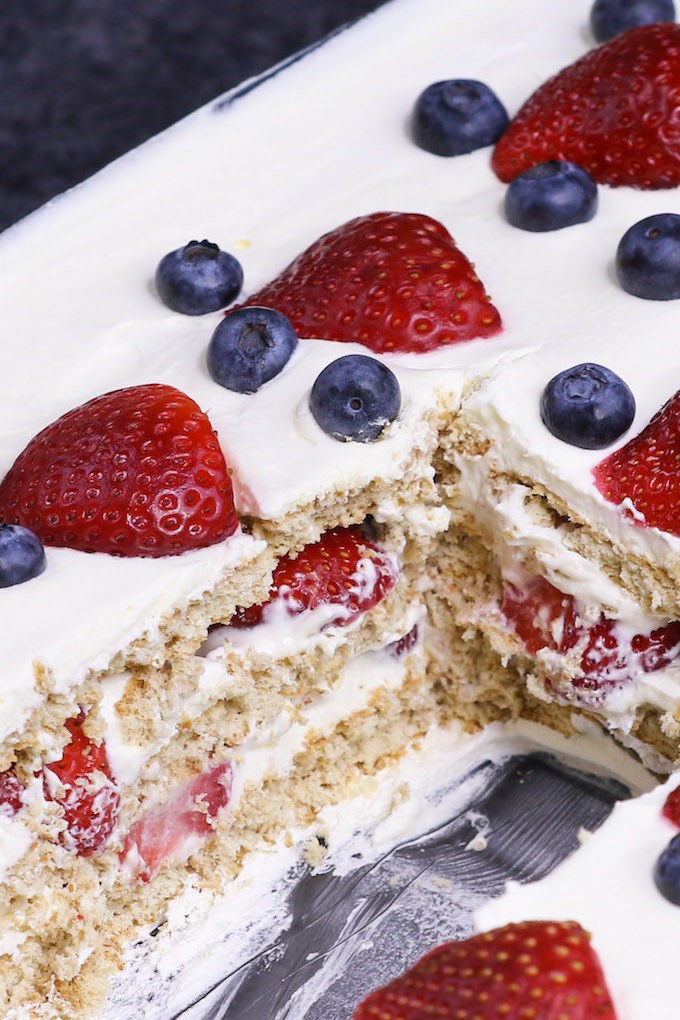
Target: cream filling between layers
{"points": [[283, 631], [271, 746], [113, 602], [515, 535], [117, 332], [522, 445]]}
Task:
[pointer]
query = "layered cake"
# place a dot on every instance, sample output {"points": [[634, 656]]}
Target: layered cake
{"points": [[276, 559]]}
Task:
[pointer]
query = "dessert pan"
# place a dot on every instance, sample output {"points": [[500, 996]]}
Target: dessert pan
{"points": [[347, 934]]}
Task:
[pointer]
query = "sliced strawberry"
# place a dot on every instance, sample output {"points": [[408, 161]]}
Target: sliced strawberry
{"points": [[644, 472], [11, 793], [178, 825], [343, 569], [391, 281], [614, 112], [671, 808], [544, 617], [82, 783], [136, 472], [404, 645], [543, 970]]}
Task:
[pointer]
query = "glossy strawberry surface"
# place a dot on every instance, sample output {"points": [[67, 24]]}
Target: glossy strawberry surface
{"points": [[537, 970], [613, 112], [344, 570], [545, 618], [645, 474], [392, 281], [135, 472]]}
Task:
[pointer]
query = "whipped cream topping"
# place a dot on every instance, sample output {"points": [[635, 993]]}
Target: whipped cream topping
{"points": [[95, 253], [87, 607]]}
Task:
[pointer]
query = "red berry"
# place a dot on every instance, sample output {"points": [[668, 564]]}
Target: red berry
{"points": [[546, 970], [11, 792], [135, 472], [343, 569], [404, 645], [671, 809], [612, 112], [86, 791], [645, 472], [188, 815], [391, 281], [544, 617]]}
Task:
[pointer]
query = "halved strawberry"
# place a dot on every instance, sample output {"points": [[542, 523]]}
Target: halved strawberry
{"points": [[544, 617], [344, 569], [543, 970], [82, 783], [11, 793], [645, 472], [177, 826], [391, 281], [135, 472], [614, 112]]}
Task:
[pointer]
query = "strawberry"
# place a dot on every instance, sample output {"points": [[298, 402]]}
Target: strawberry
{"points": [[404, 644], [545, 970], [544, 617], [645, 472], [391, 281], [344, 569], [671, 808], [82, 783], [187, 817], [135, 472], [11, 793], [613, 112]]}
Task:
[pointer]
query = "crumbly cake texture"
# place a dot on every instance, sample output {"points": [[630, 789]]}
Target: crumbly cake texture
{"points": [[463, 666], [245, 735]]}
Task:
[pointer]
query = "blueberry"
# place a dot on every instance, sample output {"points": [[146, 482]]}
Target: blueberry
{"points": [[648, 258], [612, 17], [355, 398], [550, 196], [21, 555], [587, 406], [249, 347], [457, 116], [667, 872], [198, 278]]}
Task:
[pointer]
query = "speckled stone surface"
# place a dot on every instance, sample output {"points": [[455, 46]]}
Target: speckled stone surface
{"points": [[83, 81]]}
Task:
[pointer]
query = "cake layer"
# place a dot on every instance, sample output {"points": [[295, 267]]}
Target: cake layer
{"points": [[118, 333], [343, 736], [241, 733]]}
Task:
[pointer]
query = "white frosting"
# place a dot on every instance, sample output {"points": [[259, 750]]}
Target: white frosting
{"points": [[283, 631], [85, 608], [271, 749], [427, 787], [265, 186], [15, 840], [95, 251], [516, 535], [608, 886]]}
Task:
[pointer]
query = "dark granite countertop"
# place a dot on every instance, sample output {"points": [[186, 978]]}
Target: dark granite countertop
{"points": [[83, 81]]}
